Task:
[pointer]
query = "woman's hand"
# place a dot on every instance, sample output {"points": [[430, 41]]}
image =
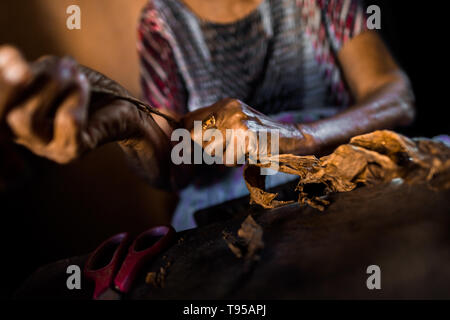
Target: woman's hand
{"points": [[244, 122], [49, 107]]}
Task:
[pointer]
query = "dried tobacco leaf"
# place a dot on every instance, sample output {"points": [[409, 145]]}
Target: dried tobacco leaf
{"points": [[231, 243], [249, 240], [150, 278], [157, 279], [368, 159], [252, 234]]}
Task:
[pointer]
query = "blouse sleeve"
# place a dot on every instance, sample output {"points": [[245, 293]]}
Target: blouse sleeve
{"points": [[161, 82], [343, 20], [333, 21], [329, 24]]}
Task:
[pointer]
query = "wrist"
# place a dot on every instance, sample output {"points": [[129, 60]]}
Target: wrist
{"points": [[311, 143]]}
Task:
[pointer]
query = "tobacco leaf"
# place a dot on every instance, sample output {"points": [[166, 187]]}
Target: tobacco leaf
{"points": [[158, 278], [369, 159], [249, 240], [232, 243]]}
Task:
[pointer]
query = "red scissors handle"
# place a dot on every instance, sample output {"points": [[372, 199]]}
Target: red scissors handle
{"points": [[146, 246], [105, 267], [104, 262]]}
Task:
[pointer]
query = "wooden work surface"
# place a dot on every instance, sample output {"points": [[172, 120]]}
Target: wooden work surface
{"points": [[308, 254]]}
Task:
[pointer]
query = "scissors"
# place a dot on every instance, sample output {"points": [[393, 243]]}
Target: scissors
{"points": [[112, 273]]}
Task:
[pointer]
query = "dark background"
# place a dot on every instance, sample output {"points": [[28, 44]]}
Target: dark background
{"points": [[47, 215], [417, 34]]}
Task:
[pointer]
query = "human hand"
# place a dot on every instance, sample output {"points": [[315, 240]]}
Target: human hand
{"points": [[245, 127], [50, 107]]}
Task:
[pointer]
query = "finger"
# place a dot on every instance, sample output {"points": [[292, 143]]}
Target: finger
{"points": [[15, 73], [70, 121], [233, 150], [241, 143], [107, 124], [214, 144], [61, 76], [196, 115], [30, 120]]}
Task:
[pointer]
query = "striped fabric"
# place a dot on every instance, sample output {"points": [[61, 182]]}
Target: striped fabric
{"points": [[279, 58]]}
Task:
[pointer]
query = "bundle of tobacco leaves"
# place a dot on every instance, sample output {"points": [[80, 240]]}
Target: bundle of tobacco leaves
{"points": [[369, 159]]}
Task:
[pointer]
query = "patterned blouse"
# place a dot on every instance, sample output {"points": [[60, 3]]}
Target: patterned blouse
{"points": [[280, 59]]}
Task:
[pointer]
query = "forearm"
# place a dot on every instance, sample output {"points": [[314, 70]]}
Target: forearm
{"points": [[143, 137], [148, 153], [387, 107]]}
